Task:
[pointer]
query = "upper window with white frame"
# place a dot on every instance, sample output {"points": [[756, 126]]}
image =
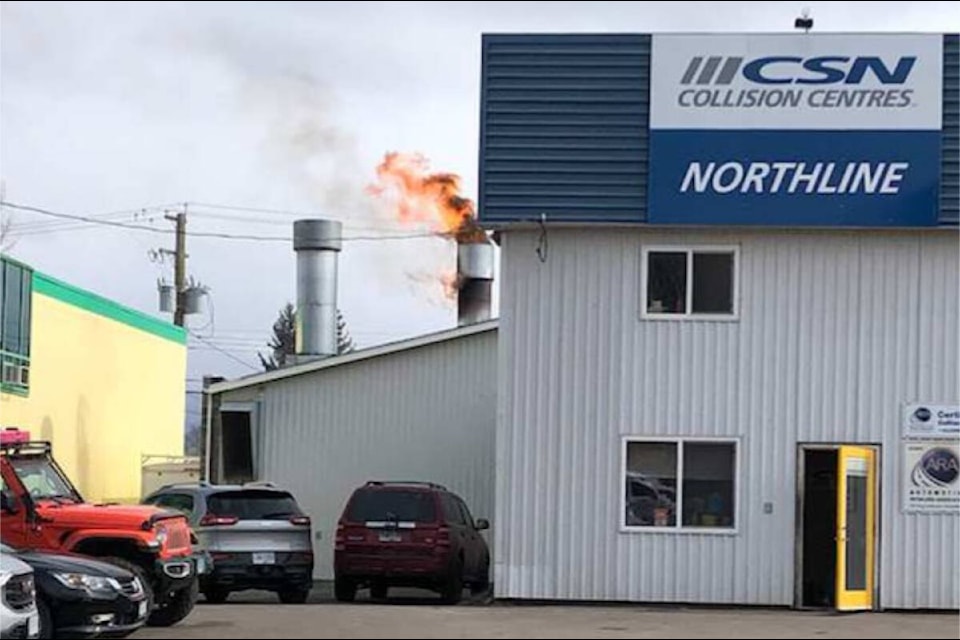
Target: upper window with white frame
{"points": [[680, 484], [690, 282]]}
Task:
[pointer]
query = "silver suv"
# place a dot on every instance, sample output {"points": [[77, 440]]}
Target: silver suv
{"points": [[255, 534]]}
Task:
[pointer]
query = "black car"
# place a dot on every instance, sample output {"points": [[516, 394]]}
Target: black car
{"points": [[83, 597]]}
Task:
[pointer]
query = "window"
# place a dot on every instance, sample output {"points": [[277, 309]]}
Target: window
{"points": [[253, 504], [680, 484], [467, 518], [15, 291], [382, 505], [697, 282], [451, 510], [176, 501]]}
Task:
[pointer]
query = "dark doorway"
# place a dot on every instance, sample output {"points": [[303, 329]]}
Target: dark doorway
{"points": [[237, 447], [819, 560]]}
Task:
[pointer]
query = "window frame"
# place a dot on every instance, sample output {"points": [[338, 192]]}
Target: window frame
{"points": [[24, 323], [688, 314], [679, 527]]}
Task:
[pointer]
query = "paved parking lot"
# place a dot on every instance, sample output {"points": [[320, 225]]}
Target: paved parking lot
{"points": [[260, 617]]}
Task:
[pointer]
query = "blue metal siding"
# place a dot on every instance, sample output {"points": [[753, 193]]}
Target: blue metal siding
{"points": [[564, 123], [564, 128], [950, 163]]}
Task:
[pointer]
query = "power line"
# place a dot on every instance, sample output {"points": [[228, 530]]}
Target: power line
{"points": [[204, 234], [224, 352]]}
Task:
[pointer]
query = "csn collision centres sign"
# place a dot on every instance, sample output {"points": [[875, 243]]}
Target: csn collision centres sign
{"points": [[795, 129]]}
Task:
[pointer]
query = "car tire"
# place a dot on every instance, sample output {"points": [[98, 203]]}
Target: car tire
{"points": [[482, 582], [344, 590], [177, 609], [378, 591], [295, 595], [452, 590], [46, 620], [216, 596], [138, 571]]}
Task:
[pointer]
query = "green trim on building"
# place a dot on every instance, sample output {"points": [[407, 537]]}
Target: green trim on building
{"points": [[14, 389], [58, 290]]}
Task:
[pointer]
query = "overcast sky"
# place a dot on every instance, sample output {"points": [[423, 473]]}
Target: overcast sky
{"points": [[286, 106]]}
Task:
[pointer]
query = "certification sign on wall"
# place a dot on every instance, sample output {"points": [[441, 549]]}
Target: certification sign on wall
{"points": [[931, 421], [931, 477]]}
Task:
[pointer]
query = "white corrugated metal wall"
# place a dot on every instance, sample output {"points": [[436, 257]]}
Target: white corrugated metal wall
{"points": [[427, 413], [836, 330]]}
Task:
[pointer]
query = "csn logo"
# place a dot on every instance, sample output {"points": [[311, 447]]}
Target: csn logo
{"points": [[772, 70], [939, 467]]}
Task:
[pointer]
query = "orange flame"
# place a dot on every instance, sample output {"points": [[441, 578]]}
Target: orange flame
{"points": [[415, 195]]}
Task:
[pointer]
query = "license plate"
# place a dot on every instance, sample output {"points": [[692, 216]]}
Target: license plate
{"points": [[33, 626], [201, 565], [142, 609], [390, 536], [268, 557]]}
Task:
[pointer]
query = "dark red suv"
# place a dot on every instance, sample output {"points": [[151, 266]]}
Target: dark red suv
{"points": [[410, 534]]}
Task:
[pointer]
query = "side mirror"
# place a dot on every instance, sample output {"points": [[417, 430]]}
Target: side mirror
{"points": [[483, 524], [8, 504]]}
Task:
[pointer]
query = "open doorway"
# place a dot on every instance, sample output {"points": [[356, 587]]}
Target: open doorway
{"points": [[819, 547], [836, 526]]}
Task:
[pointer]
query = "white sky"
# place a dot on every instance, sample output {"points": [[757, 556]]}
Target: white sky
{"points": [[113, 106]]}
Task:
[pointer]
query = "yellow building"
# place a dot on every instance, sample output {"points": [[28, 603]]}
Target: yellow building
{"points": [[103, 382]]}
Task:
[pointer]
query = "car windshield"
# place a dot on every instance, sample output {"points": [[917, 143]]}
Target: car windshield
{"points": [[383, 505], [41, 478], [249, 504]]}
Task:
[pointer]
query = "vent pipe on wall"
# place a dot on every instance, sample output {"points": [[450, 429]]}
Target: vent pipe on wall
{"points": [[475, 281]]}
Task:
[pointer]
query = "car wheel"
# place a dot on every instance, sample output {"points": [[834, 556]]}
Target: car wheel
{"points": [[216, 596], [452, 590], [344, 589], [482, 582], [378, 591], [138, 571], [46, 620], [296, 595], [178, 608]]}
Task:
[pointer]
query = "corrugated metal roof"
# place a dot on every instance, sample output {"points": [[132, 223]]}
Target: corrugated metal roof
{"points": [[355, 356]]}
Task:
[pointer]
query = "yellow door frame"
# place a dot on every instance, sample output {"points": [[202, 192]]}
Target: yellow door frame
{"points": [[856, 461], [857, 600]]}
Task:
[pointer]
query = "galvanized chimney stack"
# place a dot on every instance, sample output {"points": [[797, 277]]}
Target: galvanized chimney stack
{"points": [[475, 281], [317, 243]]}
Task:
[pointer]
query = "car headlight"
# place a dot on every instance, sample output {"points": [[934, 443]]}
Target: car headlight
{"points": [[84, 581], [161, 535]]}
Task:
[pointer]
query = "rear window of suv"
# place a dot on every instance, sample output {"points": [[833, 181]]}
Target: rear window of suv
{"points": [[251, 504], [382, 505]]}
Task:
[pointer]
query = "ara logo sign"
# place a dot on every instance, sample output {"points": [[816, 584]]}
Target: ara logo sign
{"points": [[931, 477], [938, 467], [721, 70]]}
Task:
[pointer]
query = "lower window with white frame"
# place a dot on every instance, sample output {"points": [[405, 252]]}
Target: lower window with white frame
{"points": [[680, 483]]}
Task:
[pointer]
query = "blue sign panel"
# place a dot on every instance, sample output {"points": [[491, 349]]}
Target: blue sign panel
{"points": [[795, 130], [795, 178]]}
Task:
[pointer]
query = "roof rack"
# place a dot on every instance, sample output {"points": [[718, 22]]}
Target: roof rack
{"points": [[415, 483]]}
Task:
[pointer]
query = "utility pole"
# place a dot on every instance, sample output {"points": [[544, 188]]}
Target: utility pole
{"points": [[180, 265]]}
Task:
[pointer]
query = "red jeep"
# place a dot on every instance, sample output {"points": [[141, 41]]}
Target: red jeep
{"points": [[41, 509]]}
